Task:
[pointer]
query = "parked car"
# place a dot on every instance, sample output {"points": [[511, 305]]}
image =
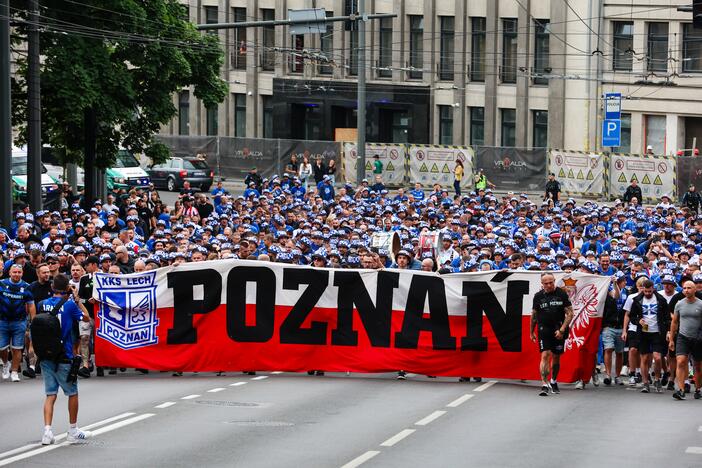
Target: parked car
{"points": [[171, 174], [49, 185], [126, 172]]}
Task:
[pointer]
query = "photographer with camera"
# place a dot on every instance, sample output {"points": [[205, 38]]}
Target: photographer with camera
{"points": [[53, 344]]}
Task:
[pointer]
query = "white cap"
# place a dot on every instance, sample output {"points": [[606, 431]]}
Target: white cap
{"points": [[649, 147]]}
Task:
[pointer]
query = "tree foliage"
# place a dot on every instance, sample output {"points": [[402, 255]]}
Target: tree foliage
{"points": [[122, 60]]}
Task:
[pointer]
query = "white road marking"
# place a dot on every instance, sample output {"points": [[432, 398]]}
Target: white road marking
{"points": [[276, 372], [397, 437], [694, 450], [485, 386], [189, 397], [410, 375], [236, 384], [362, 459], [215, 390], [460, 400], [165, 405], [430, 418], [699, 429], [102, 430], [260, 377], [63, 435]]}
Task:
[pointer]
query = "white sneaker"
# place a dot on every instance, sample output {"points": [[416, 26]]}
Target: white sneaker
{"points": [[6, 370], [579, 385], [77, 436], [14, 376], [618, 381], [47, 438], [624, 372]]}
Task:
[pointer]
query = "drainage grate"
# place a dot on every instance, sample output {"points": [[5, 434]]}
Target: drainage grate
{"points": [[260, 423], [227, 403]]}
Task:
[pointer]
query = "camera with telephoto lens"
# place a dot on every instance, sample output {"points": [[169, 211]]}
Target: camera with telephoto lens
{"points": [[73, 372]]}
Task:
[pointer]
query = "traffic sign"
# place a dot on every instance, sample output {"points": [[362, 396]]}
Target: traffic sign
{"points": [[613, 106], [611, 132]]}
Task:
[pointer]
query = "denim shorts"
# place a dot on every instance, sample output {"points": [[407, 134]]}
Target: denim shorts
{"points": [[612, 339], [55, 377], [12, 333]]}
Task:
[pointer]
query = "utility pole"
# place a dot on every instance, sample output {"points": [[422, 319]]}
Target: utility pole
{"points": [[34, 194], [361, 107], [5, 116]]}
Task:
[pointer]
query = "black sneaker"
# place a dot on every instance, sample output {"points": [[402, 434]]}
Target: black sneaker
{"points": [[646, 388], [639, 379], [177, 374], [687, 387], [477, 379], [698, 394], [679, 395], [607, 380], [310, 372], [100, 372], [554, 387], [319, 373], [29, 373], [84, 372], [250, 372], [664, 379], [671, 385], [402, 375], [112, 371], [142, 371], [544, 390], [464, 379]]}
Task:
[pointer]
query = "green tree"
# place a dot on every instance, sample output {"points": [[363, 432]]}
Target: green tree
{"points": [[110, 70]]}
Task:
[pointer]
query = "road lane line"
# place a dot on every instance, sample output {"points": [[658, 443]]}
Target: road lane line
{"points": [[362, 459], [63, 434], [102, 430], [410, 375], [236, 384], [694, 450], [397, 437], [699, 429], [430, 418], [190, 397], [460, 400], [276, 372], [485, 386], [215, 390], [165, 405], [260, 377]]}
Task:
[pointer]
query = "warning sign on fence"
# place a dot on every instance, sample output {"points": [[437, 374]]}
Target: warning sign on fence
{"points": [[392, 156], [579, 173], [434, 164], [656, 175]]}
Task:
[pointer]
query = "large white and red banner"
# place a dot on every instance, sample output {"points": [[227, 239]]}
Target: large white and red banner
{"points": [[228, 315]]}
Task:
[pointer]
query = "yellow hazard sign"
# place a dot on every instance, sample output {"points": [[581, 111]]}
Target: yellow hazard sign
{"points": [[622, 178], [634, 178], [645, 180], [561, 173], [580, 175], [590, 176], [657, 180], [446, 169], [434, 168], [424, 168], [570, 174], [390, 167]]}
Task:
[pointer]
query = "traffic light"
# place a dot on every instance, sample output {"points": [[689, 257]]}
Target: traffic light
{"points": [[697, 14], [351, 8]]}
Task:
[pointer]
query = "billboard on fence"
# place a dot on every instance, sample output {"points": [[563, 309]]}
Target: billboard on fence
{"points": [[189, 146], [392, 156], [434, 164], [513, 169], [227, 315], [579, 173], [327, 150], [689, 171], [654, 174], [238, 155]]}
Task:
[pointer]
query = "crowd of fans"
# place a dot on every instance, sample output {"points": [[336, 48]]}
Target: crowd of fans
{"points": [[315, 221]]}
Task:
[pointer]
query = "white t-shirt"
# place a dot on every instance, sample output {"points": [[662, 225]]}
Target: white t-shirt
{"points": [[627, 308], [667, 298], [649, 309]]}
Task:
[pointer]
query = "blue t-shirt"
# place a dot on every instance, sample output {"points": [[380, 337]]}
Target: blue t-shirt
{"points": [[13, 300], [68, 313]]}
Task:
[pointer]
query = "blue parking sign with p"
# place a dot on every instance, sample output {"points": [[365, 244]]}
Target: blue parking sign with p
{"points": [[611, 132]]}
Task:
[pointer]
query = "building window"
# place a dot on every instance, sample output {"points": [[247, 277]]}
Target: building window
{"points": [[416, 46], [385, 53], [477, 126], [692, 49], [327, 47], [655, 133], [184, 113], [477, 49], [297, 62], [239, 53], [541, 48], [447, 50], [353, 53], [509, 51], [625, 146], [540, 129], [623, 45], [268, 55], [267, 116], [211, 18], [658, 47], [240, 115], [509, 117], [212, 120], [446, 125]]}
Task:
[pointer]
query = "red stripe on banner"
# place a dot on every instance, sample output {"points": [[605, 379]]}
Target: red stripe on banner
{"points": [[214, 350]]}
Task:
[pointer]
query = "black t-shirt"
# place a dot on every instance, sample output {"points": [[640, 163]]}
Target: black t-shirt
{"points": [[41, 291], [550, 308]]}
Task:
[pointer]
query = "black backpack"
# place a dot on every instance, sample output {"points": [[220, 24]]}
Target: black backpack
{"points": [[46, 334]]}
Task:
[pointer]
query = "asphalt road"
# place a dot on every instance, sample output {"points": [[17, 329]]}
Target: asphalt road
{"points": [[285, 419]]}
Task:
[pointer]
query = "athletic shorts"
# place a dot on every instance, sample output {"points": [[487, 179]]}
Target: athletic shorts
{"points": [[55, 376], [85, 328], [12, 333], [652, 343], [685, 346], [633, 339], [612, 339], [549, 342]]}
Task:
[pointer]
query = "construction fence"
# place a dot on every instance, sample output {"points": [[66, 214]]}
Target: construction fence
{"points": [[581, 174]]}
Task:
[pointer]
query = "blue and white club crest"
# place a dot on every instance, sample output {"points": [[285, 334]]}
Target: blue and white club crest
{"points": [[127, 310]]}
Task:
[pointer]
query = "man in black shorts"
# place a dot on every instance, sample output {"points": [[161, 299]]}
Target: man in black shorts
{"points": [[686, 339], [552, 312]]}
